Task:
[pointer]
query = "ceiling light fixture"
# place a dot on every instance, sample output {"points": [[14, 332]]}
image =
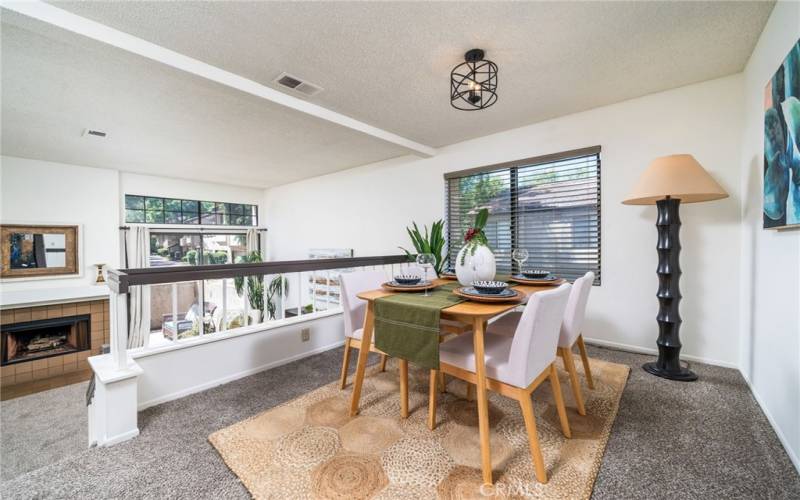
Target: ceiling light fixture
{"points": [[473, 83]]}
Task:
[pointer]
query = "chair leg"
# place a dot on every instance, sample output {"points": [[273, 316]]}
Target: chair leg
{"points": [[470, 392], [403, 388], [585, 359], [383, 362], [569, 364], [533, 437], [442, 385], [345, 363], [432, 390], [562, 410]]}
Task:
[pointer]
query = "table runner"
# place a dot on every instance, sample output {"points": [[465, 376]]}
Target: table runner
{"points": [[407, 324]]}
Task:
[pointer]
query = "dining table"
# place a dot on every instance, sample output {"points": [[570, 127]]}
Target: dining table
{"points": [[472, 313]]}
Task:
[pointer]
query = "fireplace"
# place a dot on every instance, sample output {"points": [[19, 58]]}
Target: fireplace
{"points": [[45, 338]]}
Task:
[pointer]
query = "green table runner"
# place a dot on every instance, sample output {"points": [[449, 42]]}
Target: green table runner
{"points": [[407, 324]]}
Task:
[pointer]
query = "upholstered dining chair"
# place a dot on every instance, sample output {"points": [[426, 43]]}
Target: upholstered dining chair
{"points": [[571, 334], [354, 310], [516, 365]]}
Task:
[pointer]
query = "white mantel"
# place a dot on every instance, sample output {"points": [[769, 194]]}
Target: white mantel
{"points": [[13, 299]]}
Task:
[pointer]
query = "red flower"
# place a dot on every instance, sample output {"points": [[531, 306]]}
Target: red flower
{"points": [[471, 233]]}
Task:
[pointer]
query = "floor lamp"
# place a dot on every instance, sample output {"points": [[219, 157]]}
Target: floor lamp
{"points": [[667, 182]]}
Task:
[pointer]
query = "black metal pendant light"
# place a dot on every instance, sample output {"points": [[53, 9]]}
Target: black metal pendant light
{"points": [[473, 83]]}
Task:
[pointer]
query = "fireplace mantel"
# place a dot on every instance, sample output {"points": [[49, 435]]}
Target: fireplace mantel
{"points": [[49, 296]]}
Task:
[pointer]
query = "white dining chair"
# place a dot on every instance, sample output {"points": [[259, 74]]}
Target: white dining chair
{"points": [[354, 310], [516, 365], [571, 334]]}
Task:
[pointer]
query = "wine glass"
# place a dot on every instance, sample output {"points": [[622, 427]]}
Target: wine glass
{"points": [[424, 260], [520, 255]]}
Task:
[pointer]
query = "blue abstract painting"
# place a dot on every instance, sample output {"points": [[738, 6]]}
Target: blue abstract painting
{"points": [[782, 144]]}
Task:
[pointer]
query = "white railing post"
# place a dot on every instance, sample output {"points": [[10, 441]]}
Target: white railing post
{"points": [[283, 294], [246, 297], [222, 324], [112, 411], [174, 311], [118, 322], [299, 294]]}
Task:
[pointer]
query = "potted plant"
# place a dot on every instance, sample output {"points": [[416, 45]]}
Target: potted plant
{"points": [[432, 243], [475, 260], [256, 292]]}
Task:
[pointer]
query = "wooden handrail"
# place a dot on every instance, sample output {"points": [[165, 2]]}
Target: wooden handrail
{"points": [[120, 280]]}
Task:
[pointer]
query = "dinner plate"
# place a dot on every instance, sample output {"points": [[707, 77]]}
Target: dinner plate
{"points": [[550, 280], [468, 292], [397, 287]]}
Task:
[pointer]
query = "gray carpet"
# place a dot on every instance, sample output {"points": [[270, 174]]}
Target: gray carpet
{"points": [[671, 440]]}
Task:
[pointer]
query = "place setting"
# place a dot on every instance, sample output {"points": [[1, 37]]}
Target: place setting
{"points": [[412, 282], [532, 276], [408, 283], [488, 291]]}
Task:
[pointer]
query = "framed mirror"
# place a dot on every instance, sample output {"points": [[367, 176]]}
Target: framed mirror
{"points": [[32, 251]]}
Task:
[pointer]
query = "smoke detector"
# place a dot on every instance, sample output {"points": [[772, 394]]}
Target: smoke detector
{"points": [[296, 84], [93, 132]]}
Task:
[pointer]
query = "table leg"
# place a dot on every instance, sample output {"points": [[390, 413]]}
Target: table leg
{"points": [[403, 387], [483, 402], [363, 353]]}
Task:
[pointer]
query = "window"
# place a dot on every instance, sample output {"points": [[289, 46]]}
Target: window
{"points": [[222, 303], [548, 205], [155, 210]]}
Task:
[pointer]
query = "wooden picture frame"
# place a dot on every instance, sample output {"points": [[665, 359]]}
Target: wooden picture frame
{"points": [[22, 251]]}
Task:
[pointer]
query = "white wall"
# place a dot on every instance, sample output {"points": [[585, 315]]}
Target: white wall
{"points": [[175, 373], [367, 208], [40, 192], [770, 264]]}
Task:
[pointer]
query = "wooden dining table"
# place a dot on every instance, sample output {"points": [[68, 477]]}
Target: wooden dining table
{"points": [[475, 314]]}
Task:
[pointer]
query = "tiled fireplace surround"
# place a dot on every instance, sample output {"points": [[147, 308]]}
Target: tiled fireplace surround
{"points": [[40, 369]]}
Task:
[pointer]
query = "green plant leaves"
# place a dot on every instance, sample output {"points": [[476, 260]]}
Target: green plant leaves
{"points": [[481, 218], [431, 242]]}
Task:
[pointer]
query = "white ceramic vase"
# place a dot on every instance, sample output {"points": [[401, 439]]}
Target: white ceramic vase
{"points": [[478, 266]]}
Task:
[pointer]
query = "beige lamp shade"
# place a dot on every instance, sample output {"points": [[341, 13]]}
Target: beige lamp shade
{"points": [[676, 176]]}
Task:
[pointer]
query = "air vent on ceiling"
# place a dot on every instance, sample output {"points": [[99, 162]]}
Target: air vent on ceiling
{"points": [[297, 84], [94, 133]]}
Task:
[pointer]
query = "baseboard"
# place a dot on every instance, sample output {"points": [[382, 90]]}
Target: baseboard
{"points": [[120, 438], [781, 437], [236, 376], [654, 352]]}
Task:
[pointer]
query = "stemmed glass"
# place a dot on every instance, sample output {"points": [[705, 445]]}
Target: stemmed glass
{"points": [[520, 255], [424, 260]]}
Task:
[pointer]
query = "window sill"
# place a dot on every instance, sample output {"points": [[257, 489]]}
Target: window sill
{"points": [[143, 352]]}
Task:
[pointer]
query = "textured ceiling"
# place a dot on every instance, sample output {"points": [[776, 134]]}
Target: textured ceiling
{"points": [[388, 64], [160, 120]]}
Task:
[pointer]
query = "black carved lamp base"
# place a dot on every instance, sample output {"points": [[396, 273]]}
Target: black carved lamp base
{"points": [[669, 364], [681, 374]]}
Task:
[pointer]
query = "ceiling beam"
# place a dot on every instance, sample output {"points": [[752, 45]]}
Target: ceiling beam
{"points": [[102, 33]]}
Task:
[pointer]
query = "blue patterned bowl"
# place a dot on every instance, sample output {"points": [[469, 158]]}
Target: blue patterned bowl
{"points": [[407, 279], [490, 287], [536, 274]]}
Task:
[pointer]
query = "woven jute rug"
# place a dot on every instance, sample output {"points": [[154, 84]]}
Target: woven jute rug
{"points": [[310, 448]]}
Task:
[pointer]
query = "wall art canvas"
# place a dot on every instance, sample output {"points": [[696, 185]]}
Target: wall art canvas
{"points": [[782, 144], [29, 251]]}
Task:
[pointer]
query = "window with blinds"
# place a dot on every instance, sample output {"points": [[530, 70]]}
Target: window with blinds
{"points": [[549, 205]]}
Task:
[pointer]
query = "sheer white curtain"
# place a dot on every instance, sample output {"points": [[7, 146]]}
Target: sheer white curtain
{"points": [[252, 240], [137, 254]]}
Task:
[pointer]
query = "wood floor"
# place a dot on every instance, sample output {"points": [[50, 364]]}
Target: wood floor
{"points": [[34, 386]]}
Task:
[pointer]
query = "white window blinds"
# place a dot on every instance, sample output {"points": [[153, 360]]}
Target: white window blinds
{"points": [[549, 205]]}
